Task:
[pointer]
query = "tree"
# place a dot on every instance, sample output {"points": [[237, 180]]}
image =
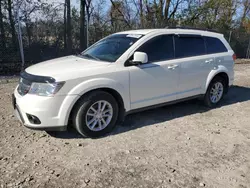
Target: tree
{"points": [[83, 43], [69, 29], [12, 24], [65, 26], [28, 10], [141, 13], [52, 28], [85, 9], [100, 26], [159, 13], [117, 15], [246, 9], [2, 30]]}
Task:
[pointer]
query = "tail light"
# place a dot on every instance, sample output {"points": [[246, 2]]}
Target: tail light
{"points": [[234, 57]]}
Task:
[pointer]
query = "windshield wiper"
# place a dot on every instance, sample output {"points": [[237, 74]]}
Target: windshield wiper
{"points": [[89, 56]]}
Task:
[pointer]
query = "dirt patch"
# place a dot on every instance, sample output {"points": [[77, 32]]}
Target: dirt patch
{"points": [[242, 61], [183, 145]]}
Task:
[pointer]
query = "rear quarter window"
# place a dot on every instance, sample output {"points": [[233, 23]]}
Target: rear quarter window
{"points": [[214, 45]]}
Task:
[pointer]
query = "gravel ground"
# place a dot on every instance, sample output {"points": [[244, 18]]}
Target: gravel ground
{"points": [[183, 145]]}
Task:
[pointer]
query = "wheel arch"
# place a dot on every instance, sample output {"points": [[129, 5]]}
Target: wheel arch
{"points": [[118, 97], [221, 72]]}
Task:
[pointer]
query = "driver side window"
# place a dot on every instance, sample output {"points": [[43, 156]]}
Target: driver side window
{"points": [[159, 48]]}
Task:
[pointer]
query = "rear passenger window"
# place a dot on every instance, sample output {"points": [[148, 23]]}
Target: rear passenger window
{"points": [[159, 48], [214, 45], [187, 46]]}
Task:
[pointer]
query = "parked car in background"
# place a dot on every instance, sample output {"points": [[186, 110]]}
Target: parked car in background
{"points": [[124, 73]]}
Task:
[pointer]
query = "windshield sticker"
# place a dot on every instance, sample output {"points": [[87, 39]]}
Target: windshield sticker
{"points": [[134, 36]]}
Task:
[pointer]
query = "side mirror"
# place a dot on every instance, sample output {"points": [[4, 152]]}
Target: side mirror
{"points": [[140, 58]]}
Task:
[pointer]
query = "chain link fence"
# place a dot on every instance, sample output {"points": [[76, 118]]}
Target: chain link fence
{"points": [[240, 43], [49, 48], [10, 58]]}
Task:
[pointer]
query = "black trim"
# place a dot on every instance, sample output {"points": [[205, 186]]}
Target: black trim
{"points": [[33, 119], [163, 104], [36, 78], [13, 101], [62, 128], [192, 28], [19, 114], [189, 35], [205, 42], [174, 46], [127, 62], [150, 65]]}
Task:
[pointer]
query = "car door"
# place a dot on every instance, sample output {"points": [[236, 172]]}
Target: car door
{"points": [[154, 82], [195, 64]]}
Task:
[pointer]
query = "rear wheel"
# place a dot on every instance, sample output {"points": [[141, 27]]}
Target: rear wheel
{"points": [[215, 92], [95, 114]]}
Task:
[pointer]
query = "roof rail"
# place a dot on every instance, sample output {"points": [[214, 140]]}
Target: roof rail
{"points": [[193, 28]]}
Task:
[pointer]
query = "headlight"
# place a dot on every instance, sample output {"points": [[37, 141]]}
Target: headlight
{"points": [[45, 89]]}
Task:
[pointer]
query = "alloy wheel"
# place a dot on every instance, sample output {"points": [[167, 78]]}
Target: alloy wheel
{"points": [[99, 115], [216, 92]]}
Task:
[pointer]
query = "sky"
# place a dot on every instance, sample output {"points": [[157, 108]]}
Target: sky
{"points": [[75, 3]]}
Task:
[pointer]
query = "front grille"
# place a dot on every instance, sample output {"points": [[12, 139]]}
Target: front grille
{"points": [[24, 86]]}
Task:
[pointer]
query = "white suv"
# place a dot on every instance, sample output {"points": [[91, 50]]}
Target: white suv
{"points": [[123, 73]]}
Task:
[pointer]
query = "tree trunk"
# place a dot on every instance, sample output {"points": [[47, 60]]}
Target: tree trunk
{"points": [[88, 11], [69, 30], [12, 24], [167, 6], [29, 32], [65, 26], [141, 13], [245, 11], [2, 31], [83, 44]]}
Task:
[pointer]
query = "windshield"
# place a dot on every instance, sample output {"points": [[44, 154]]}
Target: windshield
{"points": [[111, 48]]}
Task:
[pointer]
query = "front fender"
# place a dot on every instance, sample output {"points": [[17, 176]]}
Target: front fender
{"points": [[97, 83], [213, 73]]}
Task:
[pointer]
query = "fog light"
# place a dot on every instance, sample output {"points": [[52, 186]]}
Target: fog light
{"points": [[33, 119]]}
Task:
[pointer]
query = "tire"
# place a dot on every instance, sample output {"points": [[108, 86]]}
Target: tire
{"points": [[83, 114], [208, 100]]}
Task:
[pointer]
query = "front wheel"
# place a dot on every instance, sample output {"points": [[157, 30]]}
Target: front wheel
{"points": [[95, 114], [215, 92]]}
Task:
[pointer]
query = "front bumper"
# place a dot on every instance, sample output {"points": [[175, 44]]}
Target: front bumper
{"points": [[52, 112]]}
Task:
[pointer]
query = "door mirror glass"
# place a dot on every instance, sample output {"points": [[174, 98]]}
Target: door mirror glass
{"points": [[140, 58]]}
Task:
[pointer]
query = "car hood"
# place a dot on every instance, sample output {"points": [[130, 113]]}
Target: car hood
{"points": [[60, 67]]}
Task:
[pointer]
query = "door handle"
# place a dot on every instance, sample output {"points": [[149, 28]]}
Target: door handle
{"points": [[209, 61], [173, 66]]}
